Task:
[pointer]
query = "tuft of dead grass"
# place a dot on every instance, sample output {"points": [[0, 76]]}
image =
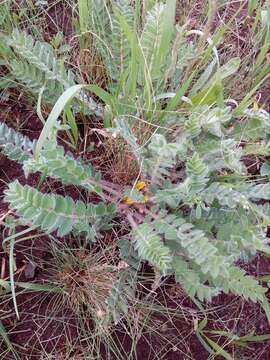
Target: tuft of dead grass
{"points": [[86, 278]]}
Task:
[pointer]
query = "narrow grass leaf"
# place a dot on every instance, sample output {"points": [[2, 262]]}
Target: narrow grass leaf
{"points": [[248, 98], [254, 338], [5, 337], [70, 119], [11, 275], [83, 14], [266, 308], [39, 287], [218, 349]]}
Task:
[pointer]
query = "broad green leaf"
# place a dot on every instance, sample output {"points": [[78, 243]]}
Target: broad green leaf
{"points": [[59, 106], [265, 169], [54, 115]]}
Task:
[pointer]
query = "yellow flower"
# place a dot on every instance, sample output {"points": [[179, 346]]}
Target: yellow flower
{"points": [[128, 201], [140, 185]]}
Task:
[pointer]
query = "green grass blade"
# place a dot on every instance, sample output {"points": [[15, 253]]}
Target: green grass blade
{"points": [[59, 106], [203, 342], [54, 115], [254, 338], [264, 50], [83, 14], [8, 343], [266, 307], [31, 286], [11, 275], [70, 120], [39, 112], [218, 350], [248, 98], [167, 32], [39, 287], [252, 5], [13, 236]]}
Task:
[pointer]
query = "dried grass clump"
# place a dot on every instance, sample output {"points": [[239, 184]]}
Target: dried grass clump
{"points": [[87, 279]]}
